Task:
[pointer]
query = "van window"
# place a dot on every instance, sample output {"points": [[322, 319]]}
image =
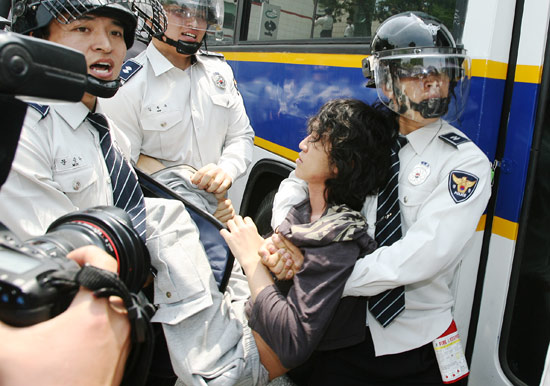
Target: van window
{"points": [[325, 20]]}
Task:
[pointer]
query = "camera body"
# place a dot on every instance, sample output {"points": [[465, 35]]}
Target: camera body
{"points": [[25, 296], [30, 289]]}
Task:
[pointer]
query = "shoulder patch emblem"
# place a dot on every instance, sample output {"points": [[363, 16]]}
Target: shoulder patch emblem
{"points": [[453, 139], [462, 185], [129, 69], [42, 109]]}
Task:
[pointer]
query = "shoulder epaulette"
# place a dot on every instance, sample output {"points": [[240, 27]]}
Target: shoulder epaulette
{"points": [[42, 109], [211, 53], [453, 139], [129, 69]]}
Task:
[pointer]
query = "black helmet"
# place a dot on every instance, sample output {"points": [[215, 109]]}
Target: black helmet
{"points": [[212, 11], [416, 46], [29, 16], [35, 15]]}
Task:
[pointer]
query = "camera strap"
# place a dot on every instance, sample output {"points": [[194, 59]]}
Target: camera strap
{"points": [[140, 311]]}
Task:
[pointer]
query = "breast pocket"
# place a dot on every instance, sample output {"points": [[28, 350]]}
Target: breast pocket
{"points": [[161, 133], [222, 100], [411, 199], [76, 181], [162, 121], [222, 104]]}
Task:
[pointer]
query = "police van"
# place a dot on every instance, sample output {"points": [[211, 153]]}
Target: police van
{"points": [[285, 71]]}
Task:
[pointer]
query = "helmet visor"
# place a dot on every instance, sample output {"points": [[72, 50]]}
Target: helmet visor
{"points": [[203, 15], [422, 86]]}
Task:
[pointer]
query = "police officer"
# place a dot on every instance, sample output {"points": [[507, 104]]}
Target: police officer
{"points": [[326, 22], [61, 165], [443, 188], [180, 105]]}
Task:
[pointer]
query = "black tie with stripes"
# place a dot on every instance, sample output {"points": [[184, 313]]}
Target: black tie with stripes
{"points": [[127, 193], [386, 306]]}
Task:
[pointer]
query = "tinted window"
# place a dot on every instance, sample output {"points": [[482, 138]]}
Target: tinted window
{"points": [[323, 20]]}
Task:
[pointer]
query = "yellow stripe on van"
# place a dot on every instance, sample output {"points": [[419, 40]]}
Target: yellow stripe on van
{"points": [[481, 223], [505, 228], [484, 68], [528, 74], [277, 149], [334, 60]]}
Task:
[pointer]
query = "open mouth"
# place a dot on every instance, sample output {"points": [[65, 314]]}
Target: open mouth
{"points": [[101, 68], [189, 36]]}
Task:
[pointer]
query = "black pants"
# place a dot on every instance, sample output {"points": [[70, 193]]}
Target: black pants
{"points": [[357, 365]]}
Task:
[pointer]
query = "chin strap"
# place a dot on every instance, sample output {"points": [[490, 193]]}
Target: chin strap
{"points": [[432, 107], [102, 88], [182, 47], [140, 311]]}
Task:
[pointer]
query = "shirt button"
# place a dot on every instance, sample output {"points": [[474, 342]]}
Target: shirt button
{"points": [[405, 199], [163, 124], [168, 294], [108, 180], [76, 185]]}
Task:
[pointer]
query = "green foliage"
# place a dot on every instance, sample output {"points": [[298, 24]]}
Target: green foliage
{"points": [[442, 9], [363, 12]]}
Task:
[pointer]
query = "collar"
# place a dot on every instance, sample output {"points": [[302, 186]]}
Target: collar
{"points": [[72, 113], [158, 61], [419, 139]]}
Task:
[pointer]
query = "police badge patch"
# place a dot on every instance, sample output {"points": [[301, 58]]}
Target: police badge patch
{"points": [[462, 185], [219, 80]]}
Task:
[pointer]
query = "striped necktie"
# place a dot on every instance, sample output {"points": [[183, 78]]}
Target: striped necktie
{"points": [[127, 193], [386, 306]]}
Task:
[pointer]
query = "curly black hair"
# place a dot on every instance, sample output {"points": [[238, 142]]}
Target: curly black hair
{"points": [[358, 138]]}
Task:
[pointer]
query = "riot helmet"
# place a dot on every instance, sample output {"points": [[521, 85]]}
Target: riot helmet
{"points": [[416, 66], [198, 15], [34, 16]]}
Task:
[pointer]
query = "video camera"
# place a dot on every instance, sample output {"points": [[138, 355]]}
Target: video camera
{"points": [[37, 281]]}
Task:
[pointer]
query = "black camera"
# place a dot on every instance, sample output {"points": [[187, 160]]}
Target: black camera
{"points": [[29, 290]]}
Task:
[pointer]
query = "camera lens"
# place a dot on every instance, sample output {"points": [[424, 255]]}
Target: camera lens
{"points": [[107, 227]]}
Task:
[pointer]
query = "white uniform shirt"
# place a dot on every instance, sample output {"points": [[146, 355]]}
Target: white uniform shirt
{"points": [[194, 116], [437, 231], [58, 168]]}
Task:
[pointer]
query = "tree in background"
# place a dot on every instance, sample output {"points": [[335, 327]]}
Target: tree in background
{"points": [[444, 10], [364, 12]]}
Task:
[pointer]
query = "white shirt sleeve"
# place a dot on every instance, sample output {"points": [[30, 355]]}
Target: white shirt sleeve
{"points": [[292, 191]]}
